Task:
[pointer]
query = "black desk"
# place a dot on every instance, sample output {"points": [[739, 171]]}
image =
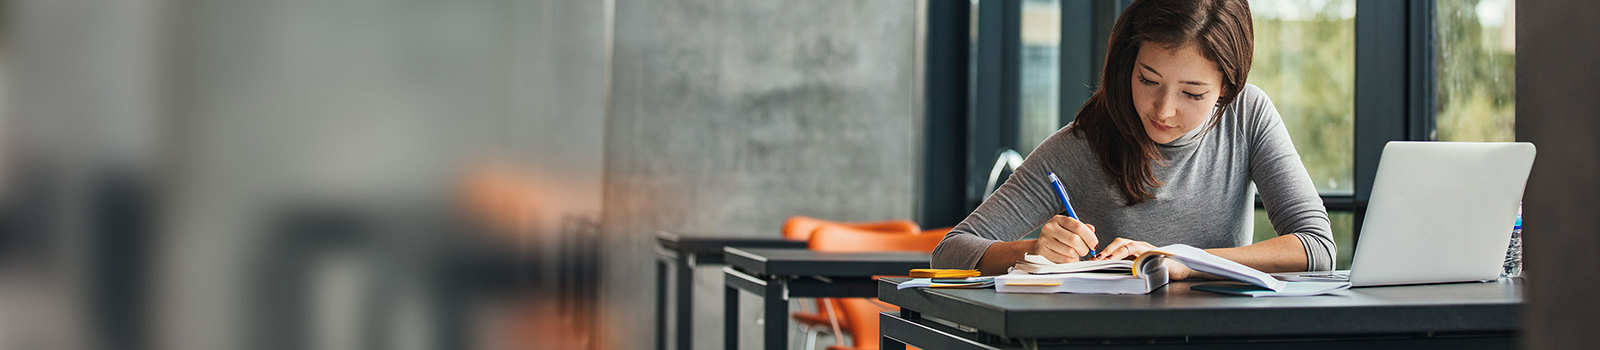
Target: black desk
{"points": [[1459, 315], [777, 274], [686, 252]]}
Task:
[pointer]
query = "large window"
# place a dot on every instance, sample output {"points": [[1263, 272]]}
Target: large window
{"points": [[1304, 63], [1041, 76], [1475, 63], [1346, 76]]}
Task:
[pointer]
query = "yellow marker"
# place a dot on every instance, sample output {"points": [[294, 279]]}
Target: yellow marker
{"points": [[943, 273]]}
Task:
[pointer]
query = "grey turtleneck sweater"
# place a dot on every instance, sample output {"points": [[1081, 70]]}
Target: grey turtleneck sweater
{"points": [[1205, 201]]}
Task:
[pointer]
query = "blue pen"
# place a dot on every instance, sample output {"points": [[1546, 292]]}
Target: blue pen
{"points": [[1061, 192]]}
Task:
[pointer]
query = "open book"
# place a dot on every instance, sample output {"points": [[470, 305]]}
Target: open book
{"points": [[1035, 274]]}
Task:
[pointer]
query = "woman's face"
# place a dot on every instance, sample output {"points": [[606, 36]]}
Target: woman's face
{"points": [[1174, 90]]}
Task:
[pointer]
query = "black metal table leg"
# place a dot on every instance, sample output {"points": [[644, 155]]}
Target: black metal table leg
{"points": [[776, 306], [661, 303], [730, 318], [685, 301]]}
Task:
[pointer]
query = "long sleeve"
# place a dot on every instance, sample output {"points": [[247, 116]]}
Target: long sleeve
{"points": [[1291, 200], [1018, 207]]}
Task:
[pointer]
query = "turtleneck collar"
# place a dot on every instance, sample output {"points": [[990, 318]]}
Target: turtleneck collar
{"points": [[1186, 139]]}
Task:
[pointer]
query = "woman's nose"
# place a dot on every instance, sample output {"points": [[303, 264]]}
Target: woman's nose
{"points": [[1165, 109]]}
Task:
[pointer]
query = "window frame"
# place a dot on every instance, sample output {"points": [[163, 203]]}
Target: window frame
{"points": [[1394, 90]]}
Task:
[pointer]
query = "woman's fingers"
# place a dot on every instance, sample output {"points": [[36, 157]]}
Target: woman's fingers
{"points": [[1069, 241], [1052, 249], [1086, 240], [1122, 248], [1116, 250], [1082, 230], [1060, 254], [1138, 247], [1059, 243], [1065, 239]]}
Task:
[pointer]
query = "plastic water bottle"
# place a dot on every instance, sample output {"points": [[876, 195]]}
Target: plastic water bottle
{"points": [[1513, 265]]}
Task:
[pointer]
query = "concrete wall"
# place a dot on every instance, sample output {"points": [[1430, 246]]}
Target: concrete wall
{"points": [[727, 117]]}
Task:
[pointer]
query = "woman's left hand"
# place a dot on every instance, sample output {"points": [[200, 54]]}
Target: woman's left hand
{"points": [[1123, 248]]}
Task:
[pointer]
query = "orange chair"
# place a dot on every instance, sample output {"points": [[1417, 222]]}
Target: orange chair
{"points": [[861, 315], [832, 238], [863, 333], [500, 196], [799, 228]]}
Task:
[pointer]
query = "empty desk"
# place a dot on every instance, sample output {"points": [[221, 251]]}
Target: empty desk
{"points": [[686, 252], [1458, 315], [777, 274]]}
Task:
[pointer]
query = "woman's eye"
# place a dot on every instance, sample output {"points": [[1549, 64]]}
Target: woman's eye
{"points": [[1195, 97], [1142, 80]]}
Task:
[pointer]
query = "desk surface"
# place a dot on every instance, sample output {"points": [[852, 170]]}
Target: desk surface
{"points": [[1175, 310], [803, 262], [705, 243]]}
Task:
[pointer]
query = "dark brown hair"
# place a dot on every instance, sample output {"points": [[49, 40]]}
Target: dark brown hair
{"points": [[1109, 122]]}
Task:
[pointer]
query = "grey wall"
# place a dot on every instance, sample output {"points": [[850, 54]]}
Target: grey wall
{"points": [[291, 102], [727, 117], [1558, 112]]}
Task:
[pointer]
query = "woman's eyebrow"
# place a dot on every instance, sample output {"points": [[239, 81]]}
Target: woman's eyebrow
{"points": [[1147, 67], [1189, 82]]}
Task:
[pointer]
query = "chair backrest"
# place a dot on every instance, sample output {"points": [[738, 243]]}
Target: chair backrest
{"points": [[834, 238], [799, 228], [499, 196], [941, 232]]}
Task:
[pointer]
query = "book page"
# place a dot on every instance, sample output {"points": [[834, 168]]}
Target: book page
{"points": [[1200, 260], [1040, 265]]}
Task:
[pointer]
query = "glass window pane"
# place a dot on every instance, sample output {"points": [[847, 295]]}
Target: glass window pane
{"points": [[1304, 61], [1476, 66], [1040, 73]]}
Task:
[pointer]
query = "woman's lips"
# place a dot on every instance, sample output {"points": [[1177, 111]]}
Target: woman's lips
{"points": [[1158, 126]]}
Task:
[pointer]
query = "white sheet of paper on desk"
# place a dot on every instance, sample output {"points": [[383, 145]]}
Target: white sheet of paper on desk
{"points": [[1290, 289]]}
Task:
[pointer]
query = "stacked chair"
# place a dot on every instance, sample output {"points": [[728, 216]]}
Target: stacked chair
{"points": [[800, 228], [856, 318]]}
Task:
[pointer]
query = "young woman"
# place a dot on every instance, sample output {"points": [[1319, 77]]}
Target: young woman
{"points": [[1164, 152]]}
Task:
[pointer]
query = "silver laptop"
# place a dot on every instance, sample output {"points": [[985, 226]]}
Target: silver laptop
{"points": [[1439, 212]]}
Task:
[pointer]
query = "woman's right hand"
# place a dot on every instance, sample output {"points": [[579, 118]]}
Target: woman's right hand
{"points": [[1064, 239]]}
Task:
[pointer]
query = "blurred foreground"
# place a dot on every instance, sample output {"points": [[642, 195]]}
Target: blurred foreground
{"points": [[300, 175]]}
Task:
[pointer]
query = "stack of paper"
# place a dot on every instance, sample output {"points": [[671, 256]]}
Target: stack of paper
{"points": [[969, 282]]}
